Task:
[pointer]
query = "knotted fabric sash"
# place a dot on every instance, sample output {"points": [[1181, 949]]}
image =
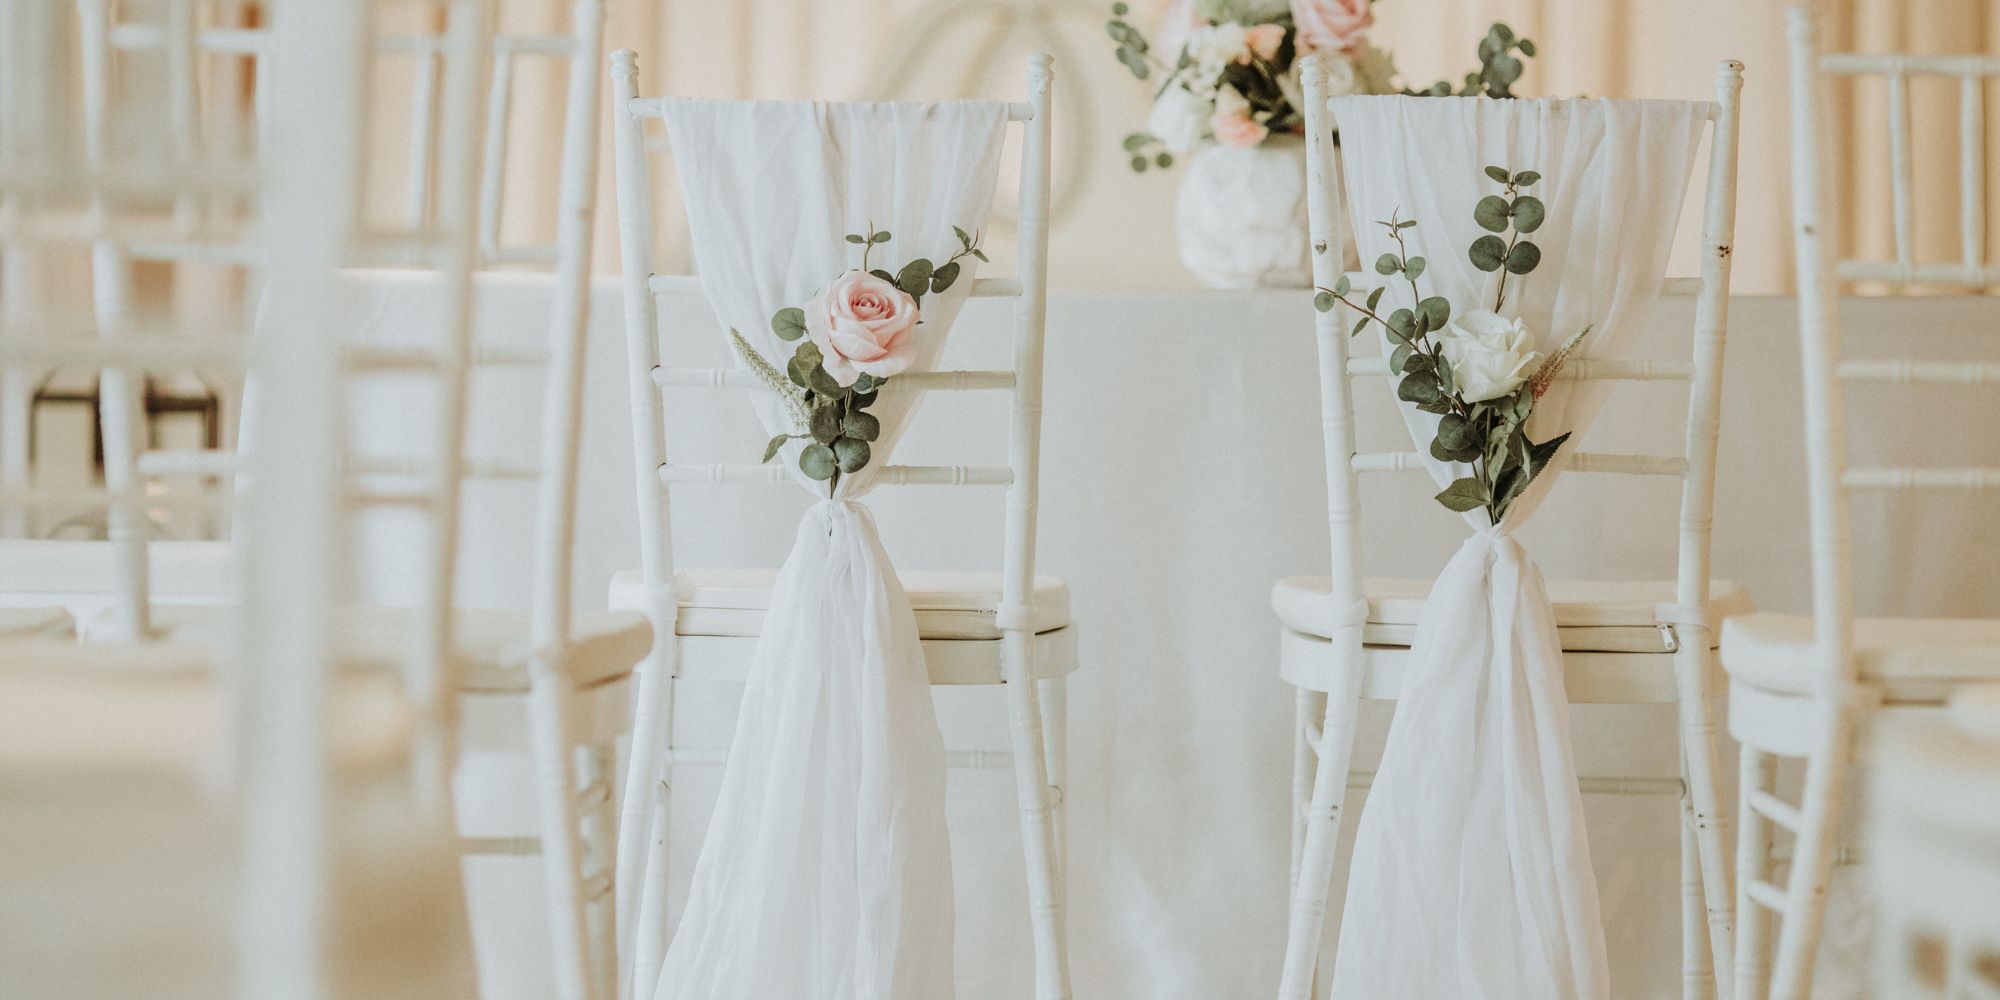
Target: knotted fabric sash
{"points": [[826, 874], [1471, 875]]}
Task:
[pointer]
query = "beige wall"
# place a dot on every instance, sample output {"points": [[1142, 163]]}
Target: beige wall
{"points": [[1116, 230]]}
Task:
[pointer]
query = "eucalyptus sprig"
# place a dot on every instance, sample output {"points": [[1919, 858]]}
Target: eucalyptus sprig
{"points": [[835, 417], [1489, 431], [1498, 68]]}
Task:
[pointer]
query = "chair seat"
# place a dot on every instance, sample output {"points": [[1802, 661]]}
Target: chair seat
{"points": [[949, 605], [493, 645], [1609, 617], [1912, 660], [36, 623]]}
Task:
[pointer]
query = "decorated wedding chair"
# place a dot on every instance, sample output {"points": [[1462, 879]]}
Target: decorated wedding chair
{"points": [[540, 680], [893, 166], [1345, 638], [283, 847], [1934, 839], [1809, 687]]}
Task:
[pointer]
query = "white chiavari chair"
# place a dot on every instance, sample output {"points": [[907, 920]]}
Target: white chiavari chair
{"points": [[1804, 687], [1934, 843], [543, 681], [977, 628], [1623, 643], [281, 825]]}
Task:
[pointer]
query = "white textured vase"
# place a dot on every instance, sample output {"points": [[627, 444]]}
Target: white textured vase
{"points": [[1241, 215]]}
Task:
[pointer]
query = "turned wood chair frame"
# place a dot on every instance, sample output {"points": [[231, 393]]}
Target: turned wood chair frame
{"points": [[1324, 727], [1822, 726], [1036, 717]]}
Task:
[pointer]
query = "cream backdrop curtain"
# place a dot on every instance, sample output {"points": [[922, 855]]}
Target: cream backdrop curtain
{"points": [[1117, 232]]}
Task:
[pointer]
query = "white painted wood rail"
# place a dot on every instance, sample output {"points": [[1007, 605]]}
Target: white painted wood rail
{"points": [[1583, 461], [888, 475]]}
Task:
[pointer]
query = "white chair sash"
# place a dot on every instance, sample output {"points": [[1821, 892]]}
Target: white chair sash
{"points": [[826, 873], [1471, 872]]}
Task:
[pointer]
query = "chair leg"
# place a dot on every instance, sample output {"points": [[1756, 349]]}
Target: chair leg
{"points": [[1702, 771], [1812, 859], [1753, 867], [1055, 749], [643, 828], [1695, 966], [1031, 770], [598, 826], [1308, 705], [562, 857], [1322, 832]]}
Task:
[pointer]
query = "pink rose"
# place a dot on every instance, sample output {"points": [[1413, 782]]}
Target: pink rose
{"points": [[861, 324], [1332, 25], [1237, 128], [1264, 40]]}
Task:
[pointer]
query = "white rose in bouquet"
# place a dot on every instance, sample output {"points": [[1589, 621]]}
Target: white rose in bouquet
{"points": [[1491, 355], [1179, 119], [1217, 46]]}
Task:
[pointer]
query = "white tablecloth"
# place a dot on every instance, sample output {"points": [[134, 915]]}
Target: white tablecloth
{"points": [[1181, 477]]}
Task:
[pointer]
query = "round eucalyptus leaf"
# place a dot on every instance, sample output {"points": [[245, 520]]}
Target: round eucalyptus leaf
{"points": [[1523, 258], [942, 278], [860, 425], [1399, 359], [1164, 160], [1419, 387], [851, 238], [799, 372], [817, 462], [916, 277], [861, 400], [1436, 311], [1342, 285], [1454, 433], [1526, 177], [826, 424], [1323, 301], [851, 454], [1138, 164], [1491, 213], [824, 384], [1133, 143], [1403, 324], [881, 237], [1496, 173], [1488, 252], [789, 323], [1528, 213], [1387, 264], [1415, 267]]}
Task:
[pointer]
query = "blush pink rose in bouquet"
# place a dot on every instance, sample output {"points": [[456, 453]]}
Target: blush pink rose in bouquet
{"points": [[862, 325], [1332, 25]]}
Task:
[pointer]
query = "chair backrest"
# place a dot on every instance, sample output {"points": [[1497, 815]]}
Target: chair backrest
{"points": [[1695, 467], [59, 186], [643, 290], [1829, 477], [433, 130]]}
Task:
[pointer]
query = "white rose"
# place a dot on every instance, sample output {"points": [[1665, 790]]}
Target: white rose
{"points": [[1491, 355], [1219, 45], [1178, 119]]}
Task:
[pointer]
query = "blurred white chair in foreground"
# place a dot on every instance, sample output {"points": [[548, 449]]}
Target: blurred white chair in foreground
{"points": [[1934, 840], [1805, 687]]}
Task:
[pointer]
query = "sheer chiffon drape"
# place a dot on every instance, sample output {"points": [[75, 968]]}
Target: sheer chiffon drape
{"points": [[1471, 872], [826, 873]]}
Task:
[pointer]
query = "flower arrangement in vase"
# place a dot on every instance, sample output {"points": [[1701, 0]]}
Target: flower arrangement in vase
{"points": [[1477, 370], [1229, 102]]}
